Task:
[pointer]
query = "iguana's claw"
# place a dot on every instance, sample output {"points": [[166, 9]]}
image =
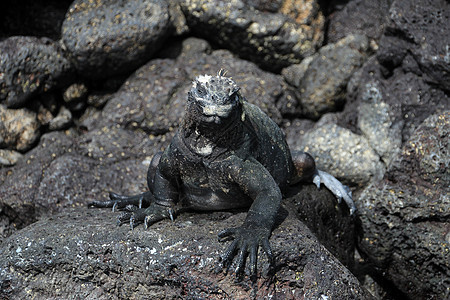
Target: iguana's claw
{"points": [[246, 241]]}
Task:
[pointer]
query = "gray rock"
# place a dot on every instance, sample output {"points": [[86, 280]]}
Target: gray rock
{"points": [[54, 258], [9, 157], [113, 144], [321, 81], [64, 171], [377, 122], [145, 99], [404, 95], [29, 66], [75, 96], [366, 17], [62, 120], [19, 128], [106, 37], [419, 29], [271, 39], [342, 153], [294, 131], [405, 218]]}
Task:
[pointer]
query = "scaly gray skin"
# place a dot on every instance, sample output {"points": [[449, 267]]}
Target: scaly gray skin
{"points": [[227, 154]]}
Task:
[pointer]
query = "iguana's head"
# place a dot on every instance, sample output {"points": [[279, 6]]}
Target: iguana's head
{"points": [[213, 100]]}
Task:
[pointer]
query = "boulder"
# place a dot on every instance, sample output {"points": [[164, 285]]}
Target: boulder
{"points": [[19, 128], [365, 17], [418, 30], [273, 38], [105, 38], [81, 253], [320, 81], [29, 66], [405, 224], [344, 154], [65, 171], [401, 103]]}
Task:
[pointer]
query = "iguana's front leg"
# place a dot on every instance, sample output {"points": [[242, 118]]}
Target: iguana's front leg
{"points": [[260, 186]]}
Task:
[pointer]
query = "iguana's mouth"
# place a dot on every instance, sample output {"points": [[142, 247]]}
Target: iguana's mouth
{"points": [[213, 119], [220, 110]]}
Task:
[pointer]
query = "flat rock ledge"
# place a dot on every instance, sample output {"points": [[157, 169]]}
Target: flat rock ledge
{"points": [[80, 253]]}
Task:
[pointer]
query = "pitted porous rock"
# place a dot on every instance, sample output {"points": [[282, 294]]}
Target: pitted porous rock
{"points": [[271, 39], [29, 66], [405, 219], [316, 91], [108, 37], [418, 30], [19, 128]]}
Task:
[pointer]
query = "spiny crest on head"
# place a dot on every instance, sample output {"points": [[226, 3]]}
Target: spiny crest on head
{"points": [[214, 89]]}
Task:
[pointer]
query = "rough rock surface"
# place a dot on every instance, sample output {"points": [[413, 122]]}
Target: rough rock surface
{"points": [[65, 171], [19, 128], [30, 65], [107, 37], [366, 17], [271, 39], [343, 154], [378, 123], [326, 218], [55, 258], [418, 30], [9, 157], [409, 106], [405, 219], [320, 80], [113, 135]]}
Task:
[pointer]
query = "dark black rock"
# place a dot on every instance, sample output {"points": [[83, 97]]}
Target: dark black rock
{"points": [[106, 38], [409, 99], [41, 18], [29, 66], [366, 17], [271, 39], [65, 171], [74, 254], [405, 219], [326, 218], [419, 28]]}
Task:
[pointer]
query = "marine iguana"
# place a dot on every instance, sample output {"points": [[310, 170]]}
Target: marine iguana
{"points": [[226, 154]]}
